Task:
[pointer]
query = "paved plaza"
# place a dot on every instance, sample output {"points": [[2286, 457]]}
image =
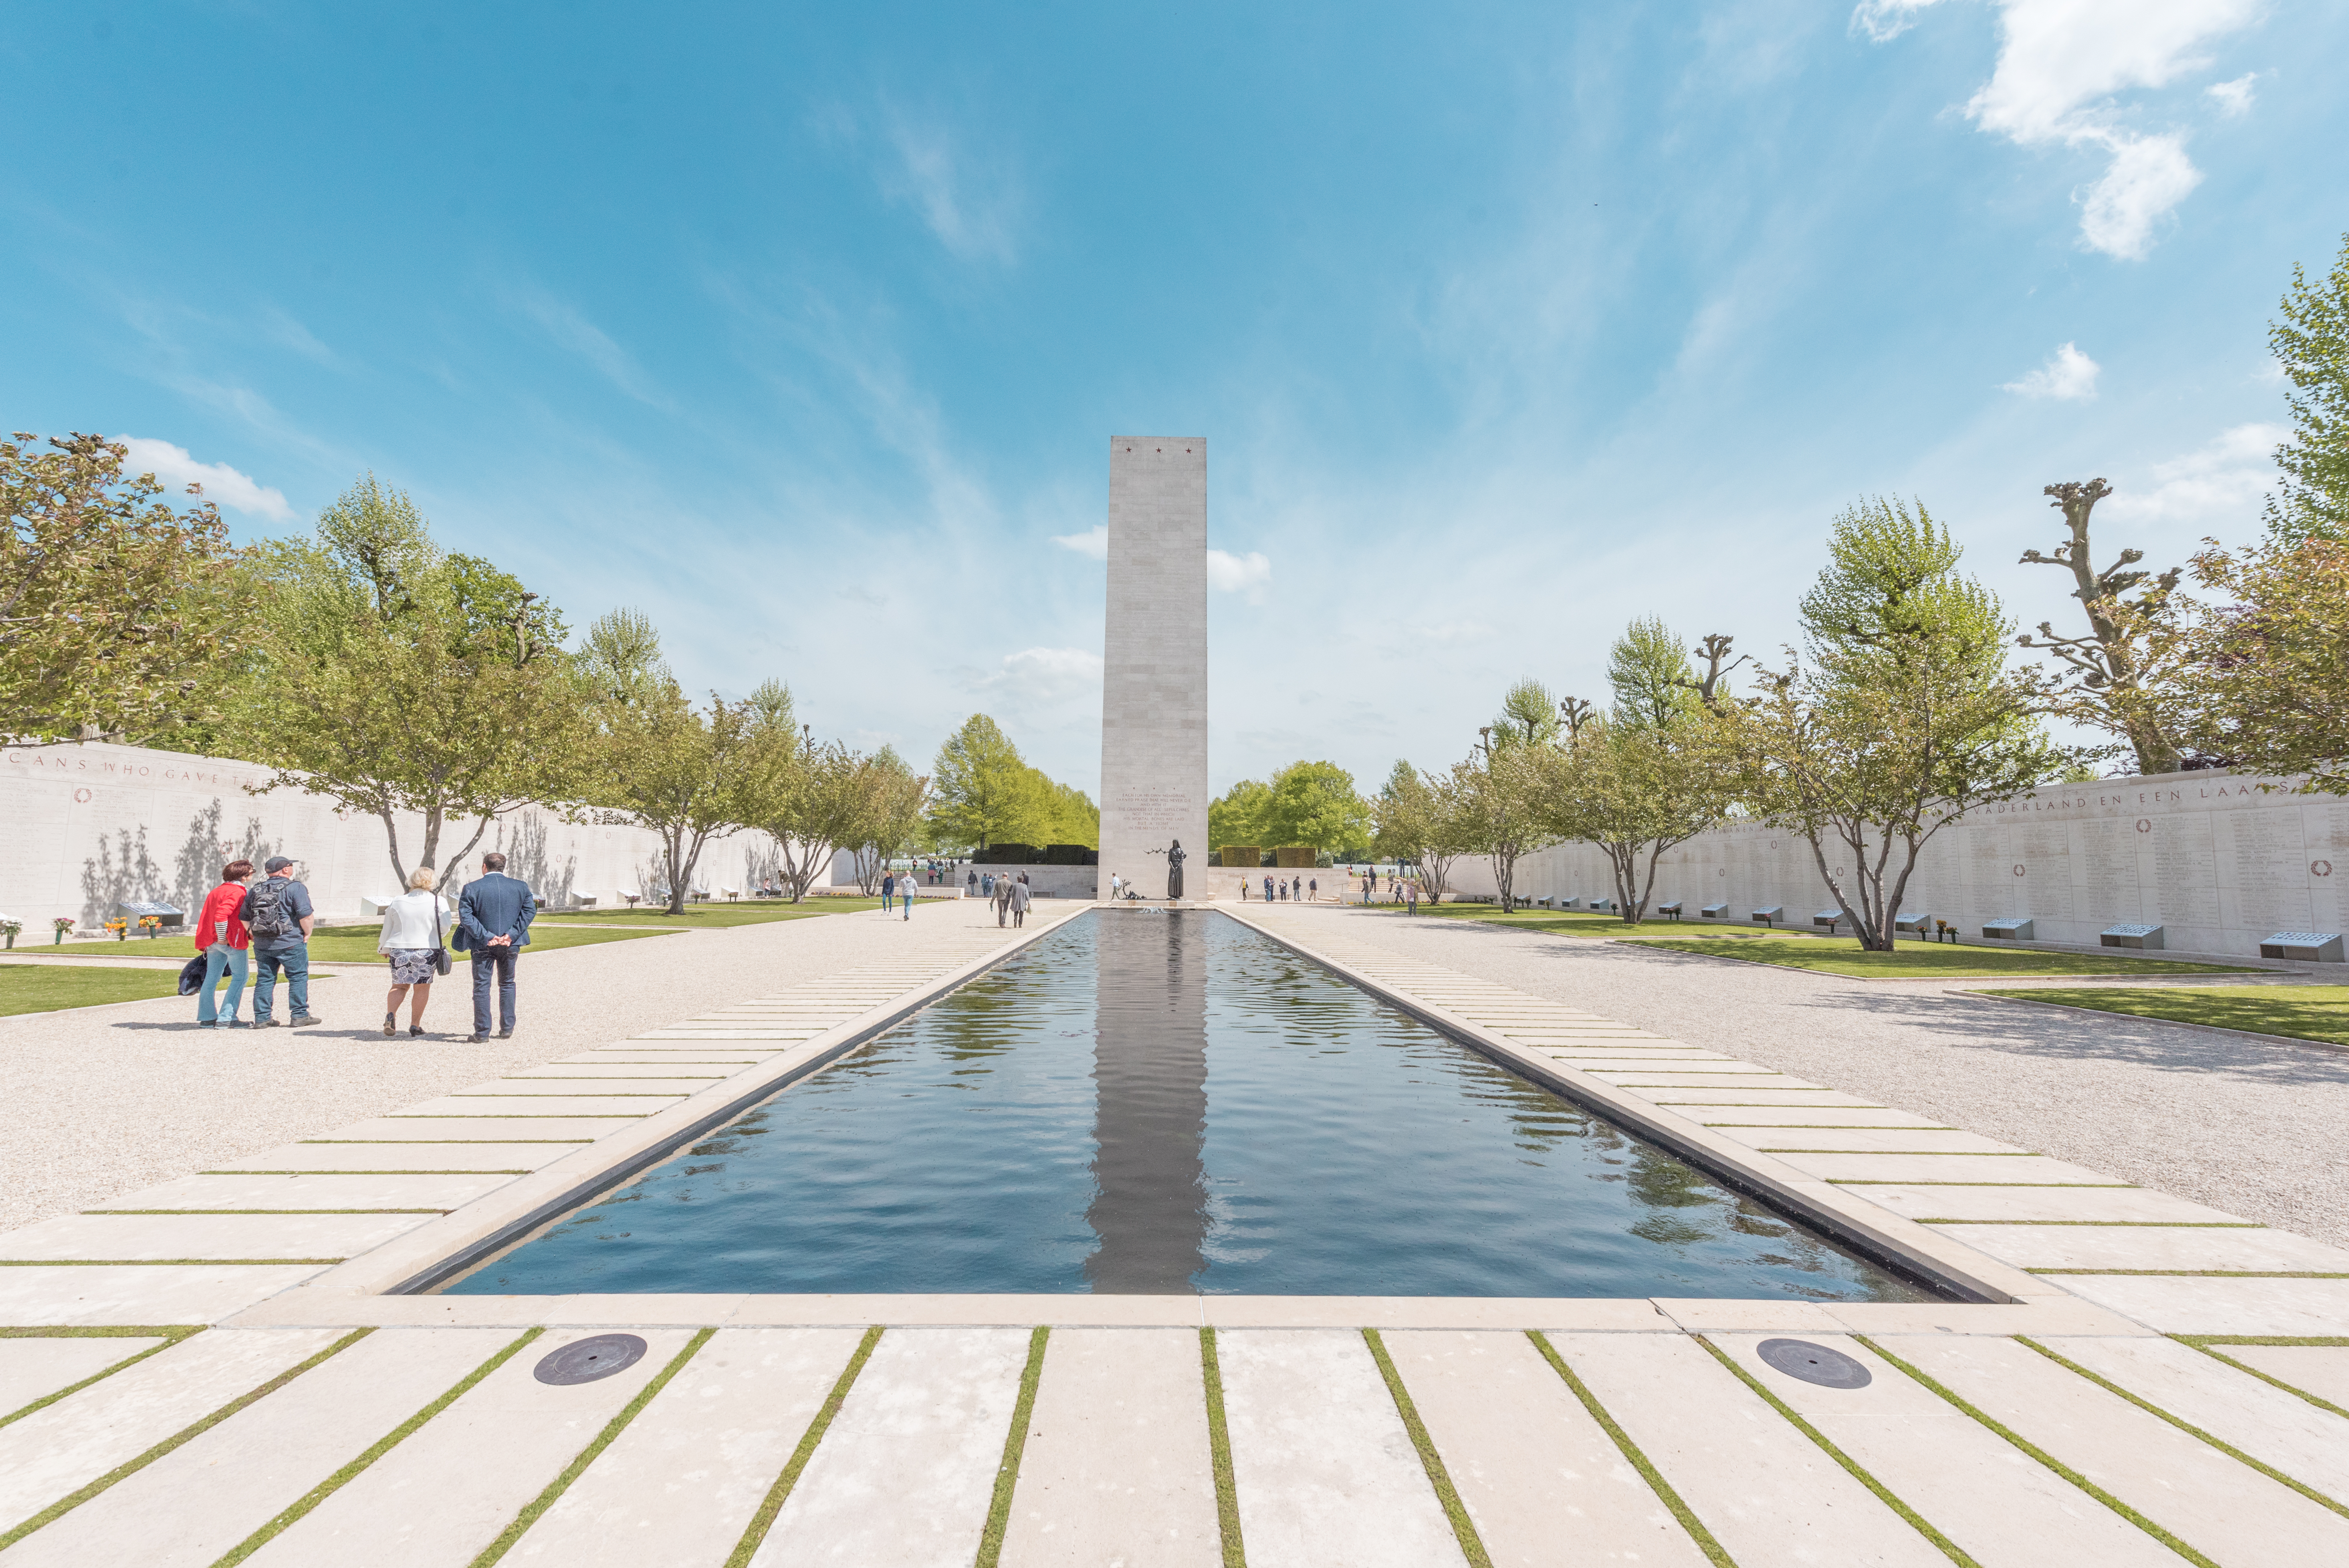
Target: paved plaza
{"points": [[208, 1369]]}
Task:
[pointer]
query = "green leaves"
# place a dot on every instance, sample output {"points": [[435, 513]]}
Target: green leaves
{"points": [[2312, 346]]}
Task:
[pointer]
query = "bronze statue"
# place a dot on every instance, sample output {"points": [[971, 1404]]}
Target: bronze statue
{"points": [[1175, 857]]}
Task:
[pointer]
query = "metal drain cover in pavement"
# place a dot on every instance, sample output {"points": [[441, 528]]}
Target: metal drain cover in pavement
{"points": [[584, 1360], [1811, 1362]]}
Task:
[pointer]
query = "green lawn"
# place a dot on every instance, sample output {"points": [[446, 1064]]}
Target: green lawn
{"points": [[1929, 960], [46, 987], [2303, 1012], [1580, 922], [712, 916]]}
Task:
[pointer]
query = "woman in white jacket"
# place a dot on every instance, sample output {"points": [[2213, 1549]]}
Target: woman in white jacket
{"points": [[413, 927]]}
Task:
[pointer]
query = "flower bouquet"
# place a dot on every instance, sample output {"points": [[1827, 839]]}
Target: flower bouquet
{"points": [[62, 923], [9, 926], [150, 924], [119, 927]]}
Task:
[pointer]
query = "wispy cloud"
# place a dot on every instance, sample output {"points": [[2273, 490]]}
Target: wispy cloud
{"points": [[1036, 679], [571, 331], [2222, 481], [2061, 64], [2233, 99], [2068, 374], [174, 467], [1093, 543], [970, 200], [287, 333], [1246, 575]]}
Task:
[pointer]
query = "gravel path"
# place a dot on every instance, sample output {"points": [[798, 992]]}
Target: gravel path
{"points": [[97, 1102], [2259, 1130]]}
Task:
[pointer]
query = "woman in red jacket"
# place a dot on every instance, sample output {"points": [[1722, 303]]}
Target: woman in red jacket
{"points": [[222, 938]]}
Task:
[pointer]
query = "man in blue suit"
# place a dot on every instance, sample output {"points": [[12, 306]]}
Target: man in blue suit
{"points": [[494, 912]]}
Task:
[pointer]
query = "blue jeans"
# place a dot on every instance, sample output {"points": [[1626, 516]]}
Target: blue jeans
{"points": [[498, 962], [888, 899], [220, 958], [267, 962]]}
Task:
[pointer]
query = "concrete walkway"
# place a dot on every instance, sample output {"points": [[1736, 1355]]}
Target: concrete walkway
{"points": [[2126, 1404]]}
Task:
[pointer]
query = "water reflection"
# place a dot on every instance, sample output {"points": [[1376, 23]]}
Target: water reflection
{"points": [[1150, 1105]]}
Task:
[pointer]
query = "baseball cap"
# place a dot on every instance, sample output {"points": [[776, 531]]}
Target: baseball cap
{"points": [[276, 864]]}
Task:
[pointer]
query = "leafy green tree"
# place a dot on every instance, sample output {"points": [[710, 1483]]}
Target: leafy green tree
{"points": [[895, 796], [1637, 789], [1496, 807], [1238, 815], [1902, 718], [981, 793], [1649, 671], [1315, 803], [2311, 343], [1063, 814], [389, 677], [1529, 714], [1419, 821], [690, 775], [113, 605]]}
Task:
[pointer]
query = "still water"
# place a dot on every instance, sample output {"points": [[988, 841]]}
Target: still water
{"points": [[1165, 1103]]}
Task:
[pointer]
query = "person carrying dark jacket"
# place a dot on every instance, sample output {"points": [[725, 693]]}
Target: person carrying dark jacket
{"points": [[494, 915]]}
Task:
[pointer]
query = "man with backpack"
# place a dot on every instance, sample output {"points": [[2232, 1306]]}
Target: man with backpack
{"points": [[277, 911]]}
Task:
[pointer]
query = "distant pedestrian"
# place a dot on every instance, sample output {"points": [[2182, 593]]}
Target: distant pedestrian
{"points": [[888, 892], [987, 885], [494, 914], [1267, 890], [279, 913], [1410, 896], [1313, 891], [1115, 882], [908, 901], [413, 930], [1019, 896], [222, 939]]}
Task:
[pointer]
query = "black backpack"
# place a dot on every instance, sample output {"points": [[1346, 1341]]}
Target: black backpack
{"points": [[269, 915]]}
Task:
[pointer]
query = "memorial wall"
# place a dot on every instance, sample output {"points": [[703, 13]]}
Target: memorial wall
{"points": [[90, 826], [2218, 862]]}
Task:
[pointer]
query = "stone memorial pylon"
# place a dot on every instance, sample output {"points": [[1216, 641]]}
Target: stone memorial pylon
{"points": [[1154, 664]]}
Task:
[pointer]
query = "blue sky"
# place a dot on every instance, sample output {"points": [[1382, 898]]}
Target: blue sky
{"points": [[805, 330]]}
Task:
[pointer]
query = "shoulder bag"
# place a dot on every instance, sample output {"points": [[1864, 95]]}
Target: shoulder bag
{"points": [[440, 963]]}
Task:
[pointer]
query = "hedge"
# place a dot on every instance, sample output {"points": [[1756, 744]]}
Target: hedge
{"points": [[1295, 857], [1242, 855]]}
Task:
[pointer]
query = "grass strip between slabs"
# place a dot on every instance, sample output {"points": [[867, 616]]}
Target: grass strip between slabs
{"points": [[1219, 1449], [1015, 1444], [170, 1336], [2208, 1345], [2042, 1455], [587, 1456], [2188, 1428], [334, 1483], [1472, 1545], [1858, 1471], [755, 1532], [1713, 1549], [128, 1468]]}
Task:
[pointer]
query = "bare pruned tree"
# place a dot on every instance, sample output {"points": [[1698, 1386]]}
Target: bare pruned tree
{"points": [[2106, 681], [1714, 651]]}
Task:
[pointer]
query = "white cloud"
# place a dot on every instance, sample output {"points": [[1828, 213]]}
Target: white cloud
{"points": [[2068, 374], [970, 204], [2233, 99], [2222, 481], [2060, 65], [1246, 573], [575, 332], [1037, 678], [174, 467], [1092, 544]]}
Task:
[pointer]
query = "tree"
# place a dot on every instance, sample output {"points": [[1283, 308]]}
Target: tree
{"points": [[1315, 803], [1636, 790], [2311, 343], [1649, 669], [112, 602], [1528, 715], [981, 794], [389, 677], [2106, 684], [1419, 822], [1496, 800], [1714, 651], [1238, 815], [1902, 720], [894, 798], [2264, 682], [819, 800], [689, 776]]}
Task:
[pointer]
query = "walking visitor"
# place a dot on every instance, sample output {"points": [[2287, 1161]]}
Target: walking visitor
{"points": [[279, 913], [1019, 896], [888, 892], [1410, 896], [1002, 894], [413, 931], [906, 898], [494, 914], [222, 939], [1267, 890]]}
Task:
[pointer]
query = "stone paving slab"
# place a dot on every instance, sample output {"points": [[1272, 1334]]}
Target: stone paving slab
{"points": [[372, 1190], [1118, 1468], [1792, 1141], [201, 1501], [60, 1449], [138, 1294], [906, 1472], [1772, 1498], [548, 1105], [470, 1154], [468, 1128], [1988, 1169], [1531, 1465], [142, 1238], [2059, 1204], [2155, 1247], [478, 1462], [1994, 1501], [1325, 1471], [2297, 1308], [35, 1369], [682, 1482], [2322, 1370], [1809, 1116], [2212, 1502]]}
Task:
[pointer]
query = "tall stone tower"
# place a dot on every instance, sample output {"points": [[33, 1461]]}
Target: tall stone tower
{"points": [[1154, 662]]}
